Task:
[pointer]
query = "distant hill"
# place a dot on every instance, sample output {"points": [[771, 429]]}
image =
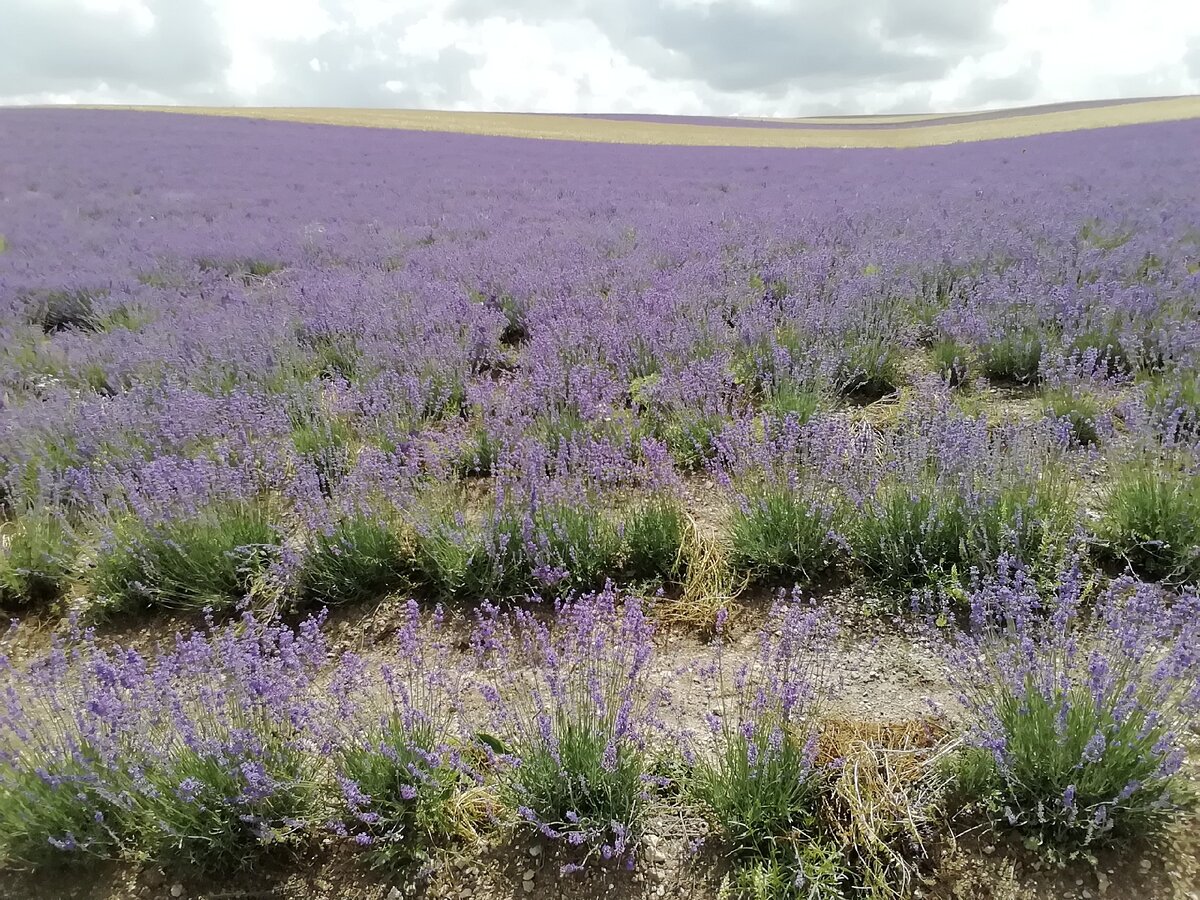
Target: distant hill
{"points": [[910, 130]]}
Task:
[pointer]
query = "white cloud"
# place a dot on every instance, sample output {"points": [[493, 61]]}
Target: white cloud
{"points": [[750, 57]]}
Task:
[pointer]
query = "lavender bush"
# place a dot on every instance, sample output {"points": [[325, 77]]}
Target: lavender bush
{"points": [[573, 712], [227, 766], [66, 789], [201, 756], [945, 493], [397, 744], [786, 518], [759, 779], [360, 556], [1076, 722]]}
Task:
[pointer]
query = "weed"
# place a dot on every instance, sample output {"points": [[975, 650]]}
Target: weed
{"points": [[951, 361], [1015, 357], [1079, 415], [361, 558], [36, 558]]}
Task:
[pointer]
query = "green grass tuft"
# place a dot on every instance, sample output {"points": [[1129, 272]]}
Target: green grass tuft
{"points": [[1016, 357], [361, 558], [782, 533], [36, 559], [951, 361], [652, 535], [213, 559], [1079, 412], [1151, 521]]}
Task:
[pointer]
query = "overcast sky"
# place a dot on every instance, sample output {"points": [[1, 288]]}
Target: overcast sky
{"points": [[748, 57]]}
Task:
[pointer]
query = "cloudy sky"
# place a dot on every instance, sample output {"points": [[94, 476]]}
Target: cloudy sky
{"points": [[748, 57]]}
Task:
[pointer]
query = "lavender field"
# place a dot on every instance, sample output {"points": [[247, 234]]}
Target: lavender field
{"points": [[633, 447]]}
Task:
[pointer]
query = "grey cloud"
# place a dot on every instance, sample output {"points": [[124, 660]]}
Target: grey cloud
{"points": [[734, 45], [356, 66], [56, 46], [732, 48], [733, 55], [1192, 58], [1012, 89], [47, 46], [960, 21]]}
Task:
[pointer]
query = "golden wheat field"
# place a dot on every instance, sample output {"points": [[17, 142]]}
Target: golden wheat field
{"points": [[881, 131]]}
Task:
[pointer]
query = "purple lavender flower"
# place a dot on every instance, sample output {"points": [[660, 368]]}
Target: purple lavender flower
{"points": [[1077, 720], [572, 713]]}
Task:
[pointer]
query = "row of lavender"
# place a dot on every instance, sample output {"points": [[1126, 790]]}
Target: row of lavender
{"points": [[249, 737], [258, 358], [935, 497]]}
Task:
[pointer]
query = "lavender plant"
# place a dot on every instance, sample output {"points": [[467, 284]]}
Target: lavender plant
{"points": [[202, 756], [1076, 722], [573, 712], [759, 780], [651, 532], [397, 745], [65, 784], [786, 518], [227, 766], [1015, 356], [1173, 399], [951, 361], [777, 533], [945, 493], [1079, 415]]}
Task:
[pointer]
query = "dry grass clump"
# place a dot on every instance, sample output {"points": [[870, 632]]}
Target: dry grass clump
{"points": [[710, 584], [884, 801]]}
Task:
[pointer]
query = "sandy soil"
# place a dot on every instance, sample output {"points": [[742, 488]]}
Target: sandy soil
{"points": [[883, 671]]}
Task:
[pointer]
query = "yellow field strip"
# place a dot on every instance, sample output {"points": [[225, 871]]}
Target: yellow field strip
{"points": [[623, 131]]}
